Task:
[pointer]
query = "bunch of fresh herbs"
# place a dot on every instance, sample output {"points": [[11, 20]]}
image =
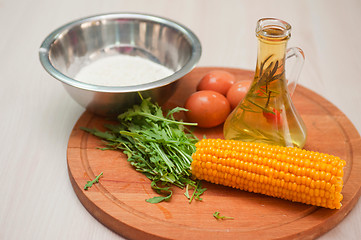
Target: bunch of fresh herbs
{"points": [[157, 145]]}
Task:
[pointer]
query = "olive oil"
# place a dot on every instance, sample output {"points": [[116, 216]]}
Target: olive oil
{"points": [[267, 113]]}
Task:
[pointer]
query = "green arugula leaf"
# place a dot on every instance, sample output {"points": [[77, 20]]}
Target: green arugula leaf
{"points": [[160, 190], [157, 199], [90, 183], [219, 217]]}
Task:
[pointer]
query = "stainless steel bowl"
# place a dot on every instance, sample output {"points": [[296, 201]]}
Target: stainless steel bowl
{"points": [[69, 48]]}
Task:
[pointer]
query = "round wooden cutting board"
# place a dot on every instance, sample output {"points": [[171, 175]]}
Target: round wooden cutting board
{"points": [[118, 200]]}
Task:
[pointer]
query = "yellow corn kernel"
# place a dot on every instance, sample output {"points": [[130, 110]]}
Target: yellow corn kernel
{"points": [[284, 172]]}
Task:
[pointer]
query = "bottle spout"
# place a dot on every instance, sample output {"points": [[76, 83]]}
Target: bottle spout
{"points": [[273, 29]]}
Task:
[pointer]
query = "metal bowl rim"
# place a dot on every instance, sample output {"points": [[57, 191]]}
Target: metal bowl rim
{"points": [[190, 64]]}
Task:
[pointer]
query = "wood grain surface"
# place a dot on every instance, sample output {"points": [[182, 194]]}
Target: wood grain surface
{"points": [[118, 200]]}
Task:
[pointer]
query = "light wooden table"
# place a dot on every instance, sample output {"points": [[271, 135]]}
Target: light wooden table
{"points": [[37, 200]]}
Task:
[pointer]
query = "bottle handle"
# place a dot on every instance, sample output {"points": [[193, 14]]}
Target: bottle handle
{"points": [[296, 68]]}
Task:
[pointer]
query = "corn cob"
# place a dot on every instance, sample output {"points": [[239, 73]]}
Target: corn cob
{"points": [[285, 172]]}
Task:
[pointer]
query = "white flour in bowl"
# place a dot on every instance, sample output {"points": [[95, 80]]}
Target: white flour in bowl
{"points": [[122, 70]]}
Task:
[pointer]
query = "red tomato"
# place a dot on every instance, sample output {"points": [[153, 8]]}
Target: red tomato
{"points": [[217, 80], [237, 92], [207, 108]]}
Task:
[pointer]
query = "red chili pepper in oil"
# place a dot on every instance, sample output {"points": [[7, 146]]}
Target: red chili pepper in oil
{"points": [[273, 116]]}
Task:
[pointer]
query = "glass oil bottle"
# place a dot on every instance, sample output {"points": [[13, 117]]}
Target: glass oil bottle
{"points": [[267, 113]]}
